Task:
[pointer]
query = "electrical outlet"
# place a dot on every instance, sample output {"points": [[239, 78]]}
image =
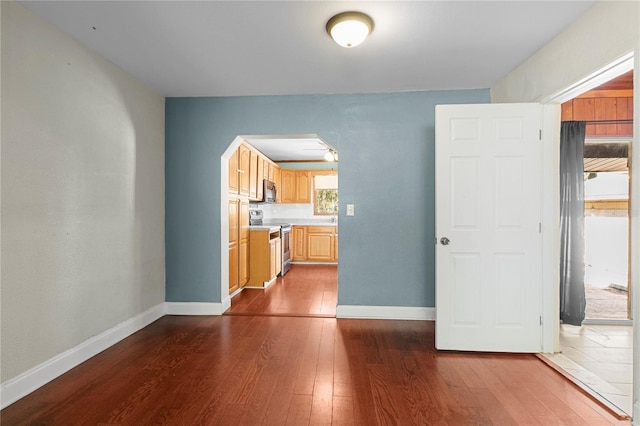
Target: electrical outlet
{"points": [[351, 210]]}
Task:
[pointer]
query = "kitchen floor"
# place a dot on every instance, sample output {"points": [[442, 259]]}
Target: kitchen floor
{"points": [[601, 358], [306, 290]]}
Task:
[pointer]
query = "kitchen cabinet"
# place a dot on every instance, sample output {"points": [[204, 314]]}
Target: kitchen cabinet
{"points": [[253, 174], [233, 173], [244, 161], [260, 178], [299, 245], [315, 243], [265, 256], [238, 243], [276, 176], [272, 172], [265, 169], [234, 249], [275, 257], [303, 187], [321, 243], [243, 255], [295, 186], [288, 186]]}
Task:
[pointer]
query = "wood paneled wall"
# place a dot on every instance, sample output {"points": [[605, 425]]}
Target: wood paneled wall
{"points": [[602, 105]]}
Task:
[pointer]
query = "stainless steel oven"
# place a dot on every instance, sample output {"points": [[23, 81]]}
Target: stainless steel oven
{"points": [[285, 237]]}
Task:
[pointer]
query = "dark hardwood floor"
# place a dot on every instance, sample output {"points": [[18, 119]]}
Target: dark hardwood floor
{"points": [[306, 290], [272, 370], [252, 369]]}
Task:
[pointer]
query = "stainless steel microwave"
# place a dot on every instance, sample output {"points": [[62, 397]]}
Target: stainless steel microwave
{"points": [[270, 192]]}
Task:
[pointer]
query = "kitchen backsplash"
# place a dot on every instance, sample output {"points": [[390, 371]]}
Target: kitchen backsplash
{"points": [[286, 211]]}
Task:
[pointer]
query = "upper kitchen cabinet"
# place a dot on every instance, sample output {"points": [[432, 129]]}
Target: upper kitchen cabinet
{"points": [[260, 177], [253, 174], [295, 186], [248, 168], [288, 186], [303, 187], [244, 160], [233, 173]]}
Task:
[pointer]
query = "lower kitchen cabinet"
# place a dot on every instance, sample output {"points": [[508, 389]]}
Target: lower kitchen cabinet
{"points": [[244, 243], [315, 244], [265, 256], [238, 243], [234, 246], [299, 243]]}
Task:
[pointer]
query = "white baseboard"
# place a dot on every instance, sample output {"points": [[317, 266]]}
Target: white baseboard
{"points": [[386, 312], [226, 303], [22, 385], [196, 308]]}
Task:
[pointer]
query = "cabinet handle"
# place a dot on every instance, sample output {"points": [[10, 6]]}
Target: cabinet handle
{"points": [[240, 170]]}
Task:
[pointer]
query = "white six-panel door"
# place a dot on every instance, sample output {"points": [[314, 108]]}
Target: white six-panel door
{"points": [[488, 227]]}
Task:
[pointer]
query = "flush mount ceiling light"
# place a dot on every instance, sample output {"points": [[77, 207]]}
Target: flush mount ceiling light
{"points": [[331, 156], [349, 29]]}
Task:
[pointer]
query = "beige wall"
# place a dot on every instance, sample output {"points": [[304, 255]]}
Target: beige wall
{"points": [[82, 193], [605, 33]]}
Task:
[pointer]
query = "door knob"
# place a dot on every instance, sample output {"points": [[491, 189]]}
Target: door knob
{"points": [[444, 241]]}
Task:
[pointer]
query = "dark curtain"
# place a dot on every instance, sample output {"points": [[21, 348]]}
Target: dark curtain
{"points": [[572, 297]]}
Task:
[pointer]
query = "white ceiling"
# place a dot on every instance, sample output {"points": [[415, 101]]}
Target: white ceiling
{"points": [[239, 48], [290, 148], [244, 48]]}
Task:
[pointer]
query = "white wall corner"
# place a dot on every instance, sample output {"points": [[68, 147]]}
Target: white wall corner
{"points": [[195, 308], [27, 382], [226, 303], [386, 312]]}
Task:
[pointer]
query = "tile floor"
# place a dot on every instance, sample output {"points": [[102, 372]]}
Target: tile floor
{"points": [[599, 356]]}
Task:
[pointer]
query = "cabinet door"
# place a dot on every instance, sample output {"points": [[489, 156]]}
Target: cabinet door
{"points": [[278, 256], [335, 246], [234, 206], [277, 180], [288, 186], [299, 234], [272, 172], [244, 159], [303, 187], [243, 256], [260, 179], [233, 267], [265, 169], [272, 258], [320, 243], [234, 246], [233, 173], [253, 174]]}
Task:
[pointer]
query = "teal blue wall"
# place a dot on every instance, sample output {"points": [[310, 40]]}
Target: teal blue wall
{"points": [[386, 146]]}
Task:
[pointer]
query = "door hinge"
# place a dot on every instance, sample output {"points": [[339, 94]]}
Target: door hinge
{"points": [[539, 227], [540, 134], [540, 319]]}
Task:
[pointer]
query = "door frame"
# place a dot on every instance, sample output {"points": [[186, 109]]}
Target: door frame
{"points": [[551, 200], [225, 297]]}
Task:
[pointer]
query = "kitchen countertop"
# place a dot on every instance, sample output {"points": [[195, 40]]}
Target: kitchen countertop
{"points": [[304, 222], [269, 228]]}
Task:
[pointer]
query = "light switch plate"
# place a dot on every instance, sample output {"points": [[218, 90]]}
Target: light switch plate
{"points": [[351, 210]]}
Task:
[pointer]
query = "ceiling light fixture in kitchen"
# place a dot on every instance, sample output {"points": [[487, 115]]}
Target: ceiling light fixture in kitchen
{"points": [[349, 29], [331, 155]]}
